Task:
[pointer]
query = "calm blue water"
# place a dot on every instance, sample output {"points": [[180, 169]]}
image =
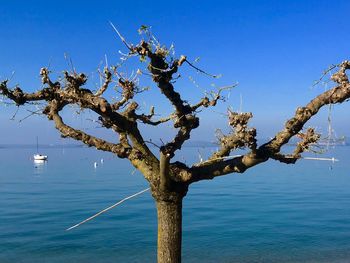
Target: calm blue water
{"points": [[272, 213]]}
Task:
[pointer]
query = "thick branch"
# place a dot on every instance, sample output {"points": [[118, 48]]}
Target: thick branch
{"points": [[20, 98], [240, 137], [140, 156], [67, 131], [162, 75], [138, 153], [128, 92], [217, 167], [294, 125], [186, 125], [213, 168]]}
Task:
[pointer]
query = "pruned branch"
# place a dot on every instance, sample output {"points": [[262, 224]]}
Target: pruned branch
{"points": [[147, 118], [45, 79], [271, 149], [240, 137], [108, 79], [67, 131], [128, 92], [216, 96], [20, 98], [73, 93], [293, 126], [162, 74]]}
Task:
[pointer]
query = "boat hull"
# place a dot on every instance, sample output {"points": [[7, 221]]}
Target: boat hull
{"points": [[39, 157]]}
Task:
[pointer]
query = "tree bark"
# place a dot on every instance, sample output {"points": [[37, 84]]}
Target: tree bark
{"points": [[169, 230]]}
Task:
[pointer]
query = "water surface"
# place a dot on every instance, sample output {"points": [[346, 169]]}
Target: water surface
{"points": [[272, 213]]}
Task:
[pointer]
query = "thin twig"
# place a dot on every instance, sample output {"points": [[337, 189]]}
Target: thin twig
{"points": [[324, 74], [241, 103], [152, 143], [107, 209], [31, 114], [15, 114], [69, 62], [120, 36], [202, 71], [321, 159]]}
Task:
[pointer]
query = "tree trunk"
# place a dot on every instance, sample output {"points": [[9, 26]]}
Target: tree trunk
{"points": [[169, 230]]}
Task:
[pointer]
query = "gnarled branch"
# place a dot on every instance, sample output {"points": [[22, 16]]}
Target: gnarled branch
{"points": [[271, 149], [108, 79]]}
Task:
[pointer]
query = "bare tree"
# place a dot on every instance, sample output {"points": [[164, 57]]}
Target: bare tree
{"points": [[169, 180]]}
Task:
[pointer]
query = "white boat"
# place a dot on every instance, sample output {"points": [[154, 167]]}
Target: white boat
{"points": [[38, 156]]}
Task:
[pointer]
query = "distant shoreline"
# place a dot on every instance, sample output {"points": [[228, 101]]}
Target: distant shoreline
{"points": [[29, 146], [200, 144]]}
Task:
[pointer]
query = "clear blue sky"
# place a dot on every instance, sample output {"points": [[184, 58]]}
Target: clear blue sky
{"points": [[274, 49]]}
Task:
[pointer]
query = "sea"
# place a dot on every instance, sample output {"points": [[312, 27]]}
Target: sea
{"points": [[272, 213]]}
